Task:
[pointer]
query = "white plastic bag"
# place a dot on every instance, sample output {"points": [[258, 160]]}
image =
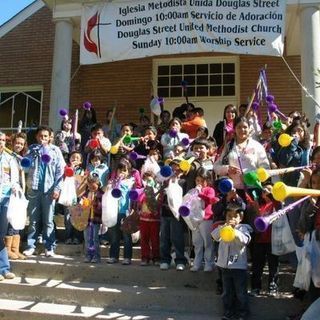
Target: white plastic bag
{"points": [[303, 274], [109, 209], [174, 196], [282, 241], [17, 210], [68, 194], [315, 260]]}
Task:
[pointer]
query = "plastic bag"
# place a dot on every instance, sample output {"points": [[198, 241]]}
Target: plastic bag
{"points": [[303, 274], [17, 210], [196, 206], [282, 241], [109, 209], [174, 196], [315, 260], [68, 194]]}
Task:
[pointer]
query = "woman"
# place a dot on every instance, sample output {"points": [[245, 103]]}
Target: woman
{"points": [[224, 130], [172, 137], [241, 155], [9, 182]]}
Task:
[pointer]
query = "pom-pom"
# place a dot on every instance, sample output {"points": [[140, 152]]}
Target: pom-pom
{"points": [[225, 185], [227, 234], [184, 211], [87, 105], [255, 106], [166, 171], [25, 163], [269, 98], [45, 158], [94, 143], [173, 133], [68, 171], [63, 112], [272, 107], [116, 193]]}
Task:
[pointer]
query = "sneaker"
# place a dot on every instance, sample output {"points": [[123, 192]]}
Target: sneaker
{"points": [[1, 277], [68, 241], [49, 253], [180, 267], [164, 266], [208, 269], [29, 252], [112, 260], [95, 260], [126, 261], [76, 241], [254, 292], [227, 316], [273, 289], [9, 275], [156, 262], [194, 269], [144, 263], [87, 259]]}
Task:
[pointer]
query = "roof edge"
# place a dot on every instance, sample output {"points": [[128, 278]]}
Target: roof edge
{"points": [[21, 16]]}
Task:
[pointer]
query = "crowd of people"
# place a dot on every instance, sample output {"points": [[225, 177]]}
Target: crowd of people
{"points": [[170, 180]]}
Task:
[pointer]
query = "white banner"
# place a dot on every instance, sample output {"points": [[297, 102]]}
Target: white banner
{"points": [[121, 30]]}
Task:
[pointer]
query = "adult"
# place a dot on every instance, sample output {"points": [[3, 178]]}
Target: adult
{"points": [[9, 181], [195, 121], [183, 111], [111, 128], [224, 130], [241, 155]]}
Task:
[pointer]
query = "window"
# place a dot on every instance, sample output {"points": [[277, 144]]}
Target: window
{"points": [[203, 79], [20, 105]]}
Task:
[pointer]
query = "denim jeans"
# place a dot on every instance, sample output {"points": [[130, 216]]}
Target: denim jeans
{"points": [[91, 241], [172, 233], [235, 297], [115, 234], [3, 220], [41, 211]]}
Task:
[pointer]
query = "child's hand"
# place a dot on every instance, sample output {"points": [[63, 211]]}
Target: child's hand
{"points": [[231, 195]]}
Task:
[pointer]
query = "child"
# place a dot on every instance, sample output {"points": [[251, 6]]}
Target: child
{"points": [[121, 179], [98, 141], [232, 259], [262, 248], [97, 167], [12, 239], [149, 221], [171, 229], [201, 238], [91, 234], [72, 235]]}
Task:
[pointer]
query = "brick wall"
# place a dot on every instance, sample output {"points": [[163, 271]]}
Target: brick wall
{"points": [[26, 59]]}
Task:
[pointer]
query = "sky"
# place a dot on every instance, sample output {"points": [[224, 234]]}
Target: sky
{"points": [[9, 8]]}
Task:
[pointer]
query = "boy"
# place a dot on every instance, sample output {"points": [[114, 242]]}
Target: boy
{"points": [[232, 260], [44, 184]]}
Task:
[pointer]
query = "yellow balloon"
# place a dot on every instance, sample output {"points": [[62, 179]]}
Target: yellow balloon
{"points": [[227, 234], [114, 149], [185, 165], [262, 174], [284, 140]]}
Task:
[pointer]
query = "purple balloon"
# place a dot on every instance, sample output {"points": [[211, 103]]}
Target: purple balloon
{"points": [[87, 105], [269, 98]]}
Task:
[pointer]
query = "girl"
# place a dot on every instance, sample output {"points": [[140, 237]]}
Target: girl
{"points": [[12, 240], [97, 167], [122, 179], [201, 238], [149, 221], [93, 196]]}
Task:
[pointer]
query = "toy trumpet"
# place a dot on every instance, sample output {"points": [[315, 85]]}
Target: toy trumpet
{"points": [[250, 179], [185, 165], [63, 113], [116, 192], [135, 156], [184, 210], [281, 191], [115, 148], [225, 185], [264, 174], [134, 194], [262, 223], [173, 133], [166, 171], [94, 144], [68, 171], [227, 233], [185, 142], [87, 105], [128, 139], [285, 140], [25, 162]]}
